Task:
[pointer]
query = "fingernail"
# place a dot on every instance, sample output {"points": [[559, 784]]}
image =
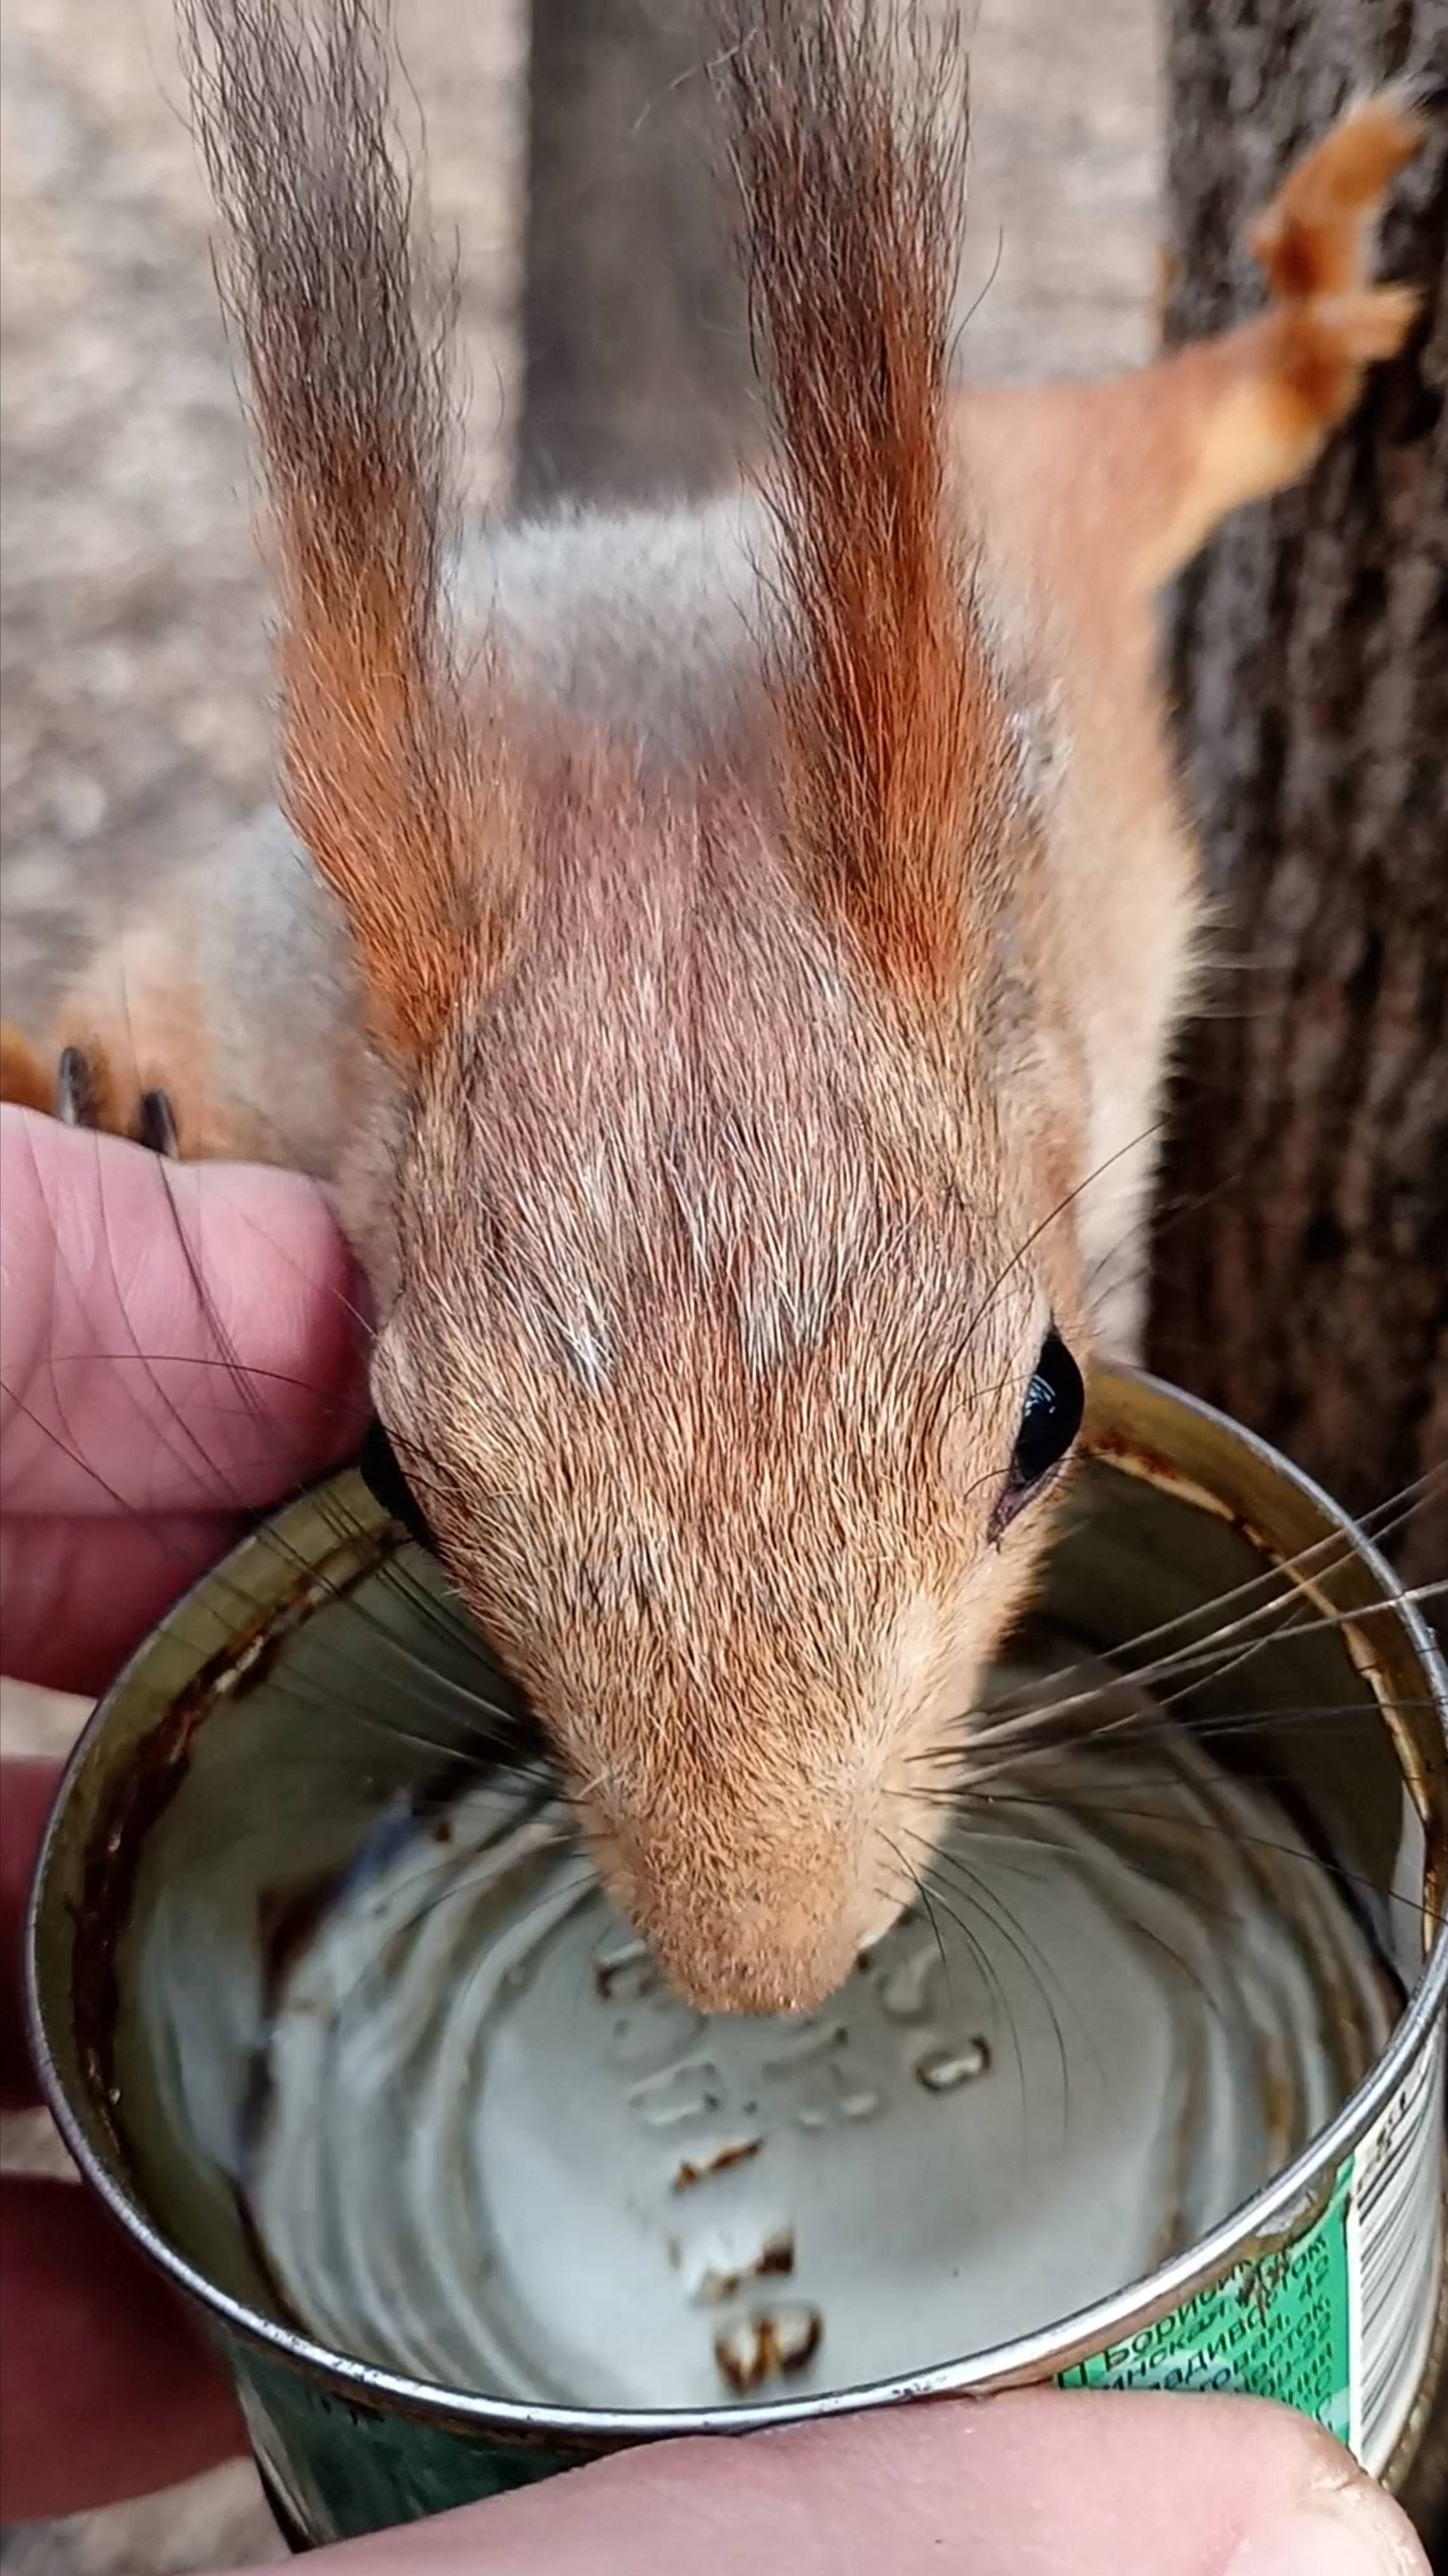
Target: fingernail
{"points": [[1349, 2530]]}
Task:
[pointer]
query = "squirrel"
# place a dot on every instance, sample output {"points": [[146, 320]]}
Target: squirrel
{"points": [[722, 960]]}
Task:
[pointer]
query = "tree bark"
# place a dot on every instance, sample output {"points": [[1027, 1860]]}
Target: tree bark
{"points": [[1301, 1252], [636, 371]]}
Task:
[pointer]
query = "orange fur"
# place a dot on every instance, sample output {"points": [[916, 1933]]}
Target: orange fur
{"points": [[140, 1019], [894, 727], [1127, 479], [713, 1242], [386, 779], [24, 1075], [1316, 236]]}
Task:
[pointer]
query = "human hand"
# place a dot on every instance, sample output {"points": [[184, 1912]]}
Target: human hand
{"points": [[179, 1346], [1039, 2483], [111, 1503]]}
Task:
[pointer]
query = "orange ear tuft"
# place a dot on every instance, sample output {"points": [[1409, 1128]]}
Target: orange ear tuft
{"points": [[853, 192], [346, 340]]}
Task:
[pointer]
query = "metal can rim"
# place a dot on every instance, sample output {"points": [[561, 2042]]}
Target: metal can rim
{"points": [[1025, 2361]]}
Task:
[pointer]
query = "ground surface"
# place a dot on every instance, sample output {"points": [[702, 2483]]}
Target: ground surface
{"points": [[132, 634]]}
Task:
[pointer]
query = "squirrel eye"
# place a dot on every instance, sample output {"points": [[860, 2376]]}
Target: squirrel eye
{"points": [[1050, 1419], [387, 1485]]}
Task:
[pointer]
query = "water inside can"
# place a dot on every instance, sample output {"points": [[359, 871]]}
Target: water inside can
{"points": [[490, 2148]]}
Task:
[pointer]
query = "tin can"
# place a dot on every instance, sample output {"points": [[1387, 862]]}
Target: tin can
{"points": [[270, 1736]]}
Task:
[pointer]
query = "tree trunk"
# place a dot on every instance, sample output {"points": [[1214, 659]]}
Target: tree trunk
{"points": [[636, 373], [1301, 1275], [1302, 1241]]}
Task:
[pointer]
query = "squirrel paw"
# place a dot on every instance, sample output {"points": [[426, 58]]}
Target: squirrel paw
{"points": [[1316, 236], [83, 1093], [1329, 319]]}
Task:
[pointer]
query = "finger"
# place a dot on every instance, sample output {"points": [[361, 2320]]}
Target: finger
{"points": [[1038, 2484], [174, 1338], [108, 2390], [78, 1595], [27, 1790]]}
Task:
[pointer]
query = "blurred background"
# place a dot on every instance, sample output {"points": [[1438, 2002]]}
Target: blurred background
{"points": [[133, 652]]}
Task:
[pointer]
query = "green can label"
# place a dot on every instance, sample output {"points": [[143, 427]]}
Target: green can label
{"points": [[1338, 2320], [1277, 2326], [335, 2468]]}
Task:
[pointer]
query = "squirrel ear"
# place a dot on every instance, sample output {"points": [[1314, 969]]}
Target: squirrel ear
{"points": [[391, 787], [853, 193]]}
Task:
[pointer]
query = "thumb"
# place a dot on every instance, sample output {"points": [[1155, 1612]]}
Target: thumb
{"points": [[174, 1338], [1041, 2483]]}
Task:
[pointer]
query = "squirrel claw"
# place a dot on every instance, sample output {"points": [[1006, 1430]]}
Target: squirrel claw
{"points": [[83, 1098], [77, 1094], [155, 1125]]}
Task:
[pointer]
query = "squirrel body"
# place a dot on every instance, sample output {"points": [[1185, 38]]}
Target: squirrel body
{"points": [[723, 960]]}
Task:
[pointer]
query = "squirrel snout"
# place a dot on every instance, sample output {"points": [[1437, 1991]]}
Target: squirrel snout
{"points": [[749, 1976], [756, 1979], [748, 1932]]}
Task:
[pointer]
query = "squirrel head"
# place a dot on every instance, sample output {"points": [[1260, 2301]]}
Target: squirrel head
{"points": [[732, 1303]]}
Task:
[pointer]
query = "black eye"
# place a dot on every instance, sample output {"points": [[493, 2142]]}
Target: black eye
{"points": [[1050, 1420], [387, 1485]]}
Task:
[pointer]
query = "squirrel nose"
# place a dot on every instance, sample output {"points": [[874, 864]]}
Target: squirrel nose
{"points": [[750, 1904], [729, 1975], [749, 1941]]}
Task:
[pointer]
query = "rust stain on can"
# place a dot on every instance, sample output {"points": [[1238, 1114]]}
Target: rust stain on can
{"points": [[144, 1785], [738, 2152]]}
